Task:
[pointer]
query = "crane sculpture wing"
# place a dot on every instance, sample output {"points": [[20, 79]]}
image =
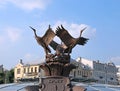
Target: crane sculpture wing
{"points": [[68, 40], [64, 36], [53, 44], [48, 36]]}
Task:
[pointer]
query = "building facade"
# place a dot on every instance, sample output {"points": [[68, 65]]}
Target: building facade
{"points": [[118, 73], [105, 73], [81, 73], [27, 71]]}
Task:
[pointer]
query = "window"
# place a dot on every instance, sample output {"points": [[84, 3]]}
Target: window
{"points": [[111, 78], [39, 69], [100, 77], [24, 70], [74, 73], [28, 70], [31, 69], [80, 72], [18, 71], [35, 69]]}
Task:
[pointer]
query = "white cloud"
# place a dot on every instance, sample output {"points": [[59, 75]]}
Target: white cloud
{"points": [[115, 60], [13, 34], [1, 39], [33, 59], [10, 34], [27, 4], [2, 3], [74, 29], [27, 56]]}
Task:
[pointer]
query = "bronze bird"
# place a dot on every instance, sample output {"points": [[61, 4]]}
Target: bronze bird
{"points": [[68, 40], [45, 40]]}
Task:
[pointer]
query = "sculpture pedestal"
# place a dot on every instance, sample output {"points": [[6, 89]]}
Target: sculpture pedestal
{"points": [[58, 83], [56, 76]]}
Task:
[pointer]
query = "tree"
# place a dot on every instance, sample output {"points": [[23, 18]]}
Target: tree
{"points": [[9, 76], [2, 77]]}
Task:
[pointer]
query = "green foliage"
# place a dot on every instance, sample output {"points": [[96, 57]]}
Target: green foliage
{"points": [[2, 77], [7, 76], [11, 76]]}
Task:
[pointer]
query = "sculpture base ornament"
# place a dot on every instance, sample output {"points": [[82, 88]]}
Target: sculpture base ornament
{"points": [[57, 70], [57, 66], [56, 75]]}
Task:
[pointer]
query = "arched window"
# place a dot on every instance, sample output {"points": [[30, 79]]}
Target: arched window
{"points": [[31, 69], [18, 71], [35, 69], [24, 70]]}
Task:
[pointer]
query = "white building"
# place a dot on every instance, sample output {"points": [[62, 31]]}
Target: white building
{"points": [[118, 73], [105, 73]]}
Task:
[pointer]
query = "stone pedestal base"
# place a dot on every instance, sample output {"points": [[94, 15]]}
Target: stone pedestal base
{"points": [[58, 83]]}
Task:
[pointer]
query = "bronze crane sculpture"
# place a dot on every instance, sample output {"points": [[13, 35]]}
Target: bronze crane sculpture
{"points": [[45, 40], [68, 40]]}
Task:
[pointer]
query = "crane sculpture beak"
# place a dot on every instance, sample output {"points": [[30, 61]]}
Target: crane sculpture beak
{"points": [[32, 29]]}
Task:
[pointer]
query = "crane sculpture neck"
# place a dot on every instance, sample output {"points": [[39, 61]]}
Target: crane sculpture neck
{"points": [[82, 31]]}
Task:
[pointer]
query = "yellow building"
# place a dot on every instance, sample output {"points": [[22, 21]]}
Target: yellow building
{"points": [[27, 71]]}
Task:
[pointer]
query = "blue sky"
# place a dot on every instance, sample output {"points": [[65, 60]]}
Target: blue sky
{"points": [[102, 18]]}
